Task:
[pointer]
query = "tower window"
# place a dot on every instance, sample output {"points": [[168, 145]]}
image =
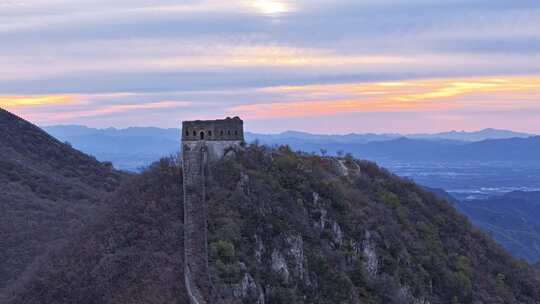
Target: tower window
{"points": [[236, 132], [202, 135], [229, 132], [209, 133], [221, 132], [194, 133], [187, 133]]}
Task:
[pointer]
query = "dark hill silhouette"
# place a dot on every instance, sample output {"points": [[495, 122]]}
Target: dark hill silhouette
{"points": [[285, 228], [48, 190]]}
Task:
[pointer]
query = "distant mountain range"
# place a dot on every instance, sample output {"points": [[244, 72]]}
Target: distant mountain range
{"points": [[473, 136], [128, 149], [371, 137], [133, 148]]}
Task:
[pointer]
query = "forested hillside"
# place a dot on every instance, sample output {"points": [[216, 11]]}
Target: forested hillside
{"points": [[285, 228], [48, 191]]}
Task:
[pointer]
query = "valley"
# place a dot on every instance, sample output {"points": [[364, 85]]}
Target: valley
{"points": [[471, 180]]}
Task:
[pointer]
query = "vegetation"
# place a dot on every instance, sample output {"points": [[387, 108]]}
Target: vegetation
{"points": [[48, 191], [288, 228], [132, 254], [323, 224]]}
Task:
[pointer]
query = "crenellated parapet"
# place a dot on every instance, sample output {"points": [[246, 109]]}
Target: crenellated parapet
{"points": [[229, 129]]}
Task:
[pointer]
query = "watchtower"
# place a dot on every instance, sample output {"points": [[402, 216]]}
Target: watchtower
{"points": [[202, 141], [218, 135]]}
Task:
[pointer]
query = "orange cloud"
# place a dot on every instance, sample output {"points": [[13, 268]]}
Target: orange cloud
{"points": [[415, 95], [127, 107], [448, 89], [28, 101], [322, 108]]}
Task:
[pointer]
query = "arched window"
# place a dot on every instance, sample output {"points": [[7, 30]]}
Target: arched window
{"points": [[229, 132], [209, 133], [236, 132], [202, 135], [187, 133], [221, 132], [194, 133]]}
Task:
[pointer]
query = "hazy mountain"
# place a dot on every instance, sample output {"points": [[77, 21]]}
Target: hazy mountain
{"points": [[77, 130], [285, 228], [512, 219], [133, 148], [48, 191], [415, 150], [128, 149], [318, 138], [473, 136], [481, 135]]}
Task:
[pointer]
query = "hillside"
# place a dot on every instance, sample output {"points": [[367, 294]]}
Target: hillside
{"points": [[512, 219], [285, 228], [48, 190]]}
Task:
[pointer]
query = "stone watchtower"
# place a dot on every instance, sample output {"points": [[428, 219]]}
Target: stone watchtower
{"points": [[202, 141]]}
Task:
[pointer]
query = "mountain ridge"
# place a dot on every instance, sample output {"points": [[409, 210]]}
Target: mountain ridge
{"points": [[48, 190], [483, 134]]}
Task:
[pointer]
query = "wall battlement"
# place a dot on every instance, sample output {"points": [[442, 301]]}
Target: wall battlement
{"points": [[217, 135], [202, 142], [213, 130]]}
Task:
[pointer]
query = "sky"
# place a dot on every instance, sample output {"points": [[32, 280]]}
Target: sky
{"points": [[322, 66]]}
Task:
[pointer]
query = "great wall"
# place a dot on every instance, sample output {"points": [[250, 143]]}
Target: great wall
{"points": [[202, 142]]}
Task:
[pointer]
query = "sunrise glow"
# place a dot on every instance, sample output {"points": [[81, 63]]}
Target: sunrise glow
{"points": [[270, 7], [356, 65], [30, 101], [414, 95]]}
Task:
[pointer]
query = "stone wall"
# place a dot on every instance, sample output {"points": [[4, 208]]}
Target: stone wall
{"points": [[197, 279], [202, 142], [216, 149]]}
